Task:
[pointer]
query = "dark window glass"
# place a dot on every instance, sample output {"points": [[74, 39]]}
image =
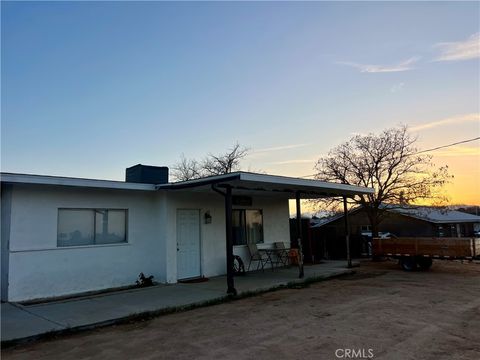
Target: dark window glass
{"points": [[238, 224], [247, 227]]}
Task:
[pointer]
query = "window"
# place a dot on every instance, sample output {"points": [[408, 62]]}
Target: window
{"points": [[365, 228], [77, 227], [440, 231], [247, 227]]}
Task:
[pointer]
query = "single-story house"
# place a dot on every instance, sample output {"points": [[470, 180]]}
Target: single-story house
{"points": [[63, 236], [404, 221]]}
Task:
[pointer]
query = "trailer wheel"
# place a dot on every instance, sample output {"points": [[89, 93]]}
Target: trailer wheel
{"points": [[408, 263], [424, 263]]}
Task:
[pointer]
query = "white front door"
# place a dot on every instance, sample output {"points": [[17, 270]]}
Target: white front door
{"points": [[188, 243]]}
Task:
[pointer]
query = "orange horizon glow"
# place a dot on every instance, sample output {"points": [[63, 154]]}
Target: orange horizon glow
{"points": [[463, 189]]}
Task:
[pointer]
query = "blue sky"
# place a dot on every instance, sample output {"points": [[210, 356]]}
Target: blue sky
{"points": [[91, 88]]}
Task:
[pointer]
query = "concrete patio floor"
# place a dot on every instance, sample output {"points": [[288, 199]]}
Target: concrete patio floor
{"points": [[19, 322]]}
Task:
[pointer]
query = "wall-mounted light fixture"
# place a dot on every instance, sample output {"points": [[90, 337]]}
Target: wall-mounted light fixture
{"points": [[208, 217]]}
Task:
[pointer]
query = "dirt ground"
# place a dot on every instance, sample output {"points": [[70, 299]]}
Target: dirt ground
{"points": [[381, 312]]}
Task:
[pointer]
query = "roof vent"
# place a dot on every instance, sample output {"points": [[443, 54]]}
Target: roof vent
{"points": [[147, 174]]}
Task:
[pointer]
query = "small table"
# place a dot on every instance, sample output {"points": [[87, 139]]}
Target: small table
{"points": [[271, 254]]}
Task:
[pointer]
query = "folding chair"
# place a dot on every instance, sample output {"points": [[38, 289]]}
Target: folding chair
{"points": [[255, 255]]}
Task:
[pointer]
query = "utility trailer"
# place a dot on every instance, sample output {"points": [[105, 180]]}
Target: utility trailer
{"points": [[418, 252]]}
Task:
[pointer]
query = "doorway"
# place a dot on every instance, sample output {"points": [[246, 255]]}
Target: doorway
{"points": [[188, 243]]}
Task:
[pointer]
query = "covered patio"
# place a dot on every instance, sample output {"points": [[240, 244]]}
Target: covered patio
{"points": [[244, 184]]}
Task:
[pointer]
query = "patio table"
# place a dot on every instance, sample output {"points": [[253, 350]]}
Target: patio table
{"points": [[271, 254]]}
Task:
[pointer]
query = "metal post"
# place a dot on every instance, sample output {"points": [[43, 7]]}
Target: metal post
{"points": [[347, 232], [229, 237], [299, 236]]}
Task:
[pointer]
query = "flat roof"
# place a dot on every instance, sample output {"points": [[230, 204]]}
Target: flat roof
{"points": [[241, 182], [14, 178]]}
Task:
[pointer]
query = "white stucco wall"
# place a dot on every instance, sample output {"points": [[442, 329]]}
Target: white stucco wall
{"points": [[213, 246], [276, 225], [212, 236], [39, 269]]}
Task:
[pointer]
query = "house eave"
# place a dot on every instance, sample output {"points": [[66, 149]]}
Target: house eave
{"points": [[12, 178], [256, 183]]}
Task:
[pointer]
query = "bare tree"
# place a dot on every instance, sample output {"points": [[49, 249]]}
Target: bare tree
{"points": [[390, 164], [188, 169], [225, 163]]}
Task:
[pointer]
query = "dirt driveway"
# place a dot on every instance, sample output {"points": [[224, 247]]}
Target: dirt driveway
{"points": [[380, 311]]}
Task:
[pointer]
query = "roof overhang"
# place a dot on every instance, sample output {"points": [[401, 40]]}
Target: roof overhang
{"points": [[248, 183], [11, 178]]}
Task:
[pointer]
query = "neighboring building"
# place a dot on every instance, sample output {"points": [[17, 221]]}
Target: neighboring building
{"points": [[62, 236], [328, 234]]}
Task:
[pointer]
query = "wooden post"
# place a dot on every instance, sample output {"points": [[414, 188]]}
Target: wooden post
{"points": [[310, 247], [347, 232], [299, 236], [229, 243]]}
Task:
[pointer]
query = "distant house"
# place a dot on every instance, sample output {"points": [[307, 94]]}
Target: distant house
{"points": [[327, 234]]}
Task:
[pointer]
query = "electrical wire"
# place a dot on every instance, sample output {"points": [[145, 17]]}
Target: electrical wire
{"points": [[427, 150], [445, 146]]}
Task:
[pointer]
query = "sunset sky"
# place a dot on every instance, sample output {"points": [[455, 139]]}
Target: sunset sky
{"points": [[90, 88]]}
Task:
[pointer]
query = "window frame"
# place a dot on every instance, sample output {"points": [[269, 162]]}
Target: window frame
{"points": [[94, 212], [365, 228], [243, 211]]}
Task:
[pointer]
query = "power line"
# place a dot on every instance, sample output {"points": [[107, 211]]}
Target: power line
{"points": [[445, 146], [427, 150]]}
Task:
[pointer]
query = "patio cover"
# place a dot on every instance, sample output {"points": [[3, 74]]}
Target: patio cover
{"points": [[267, 185], [245, 182]]}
